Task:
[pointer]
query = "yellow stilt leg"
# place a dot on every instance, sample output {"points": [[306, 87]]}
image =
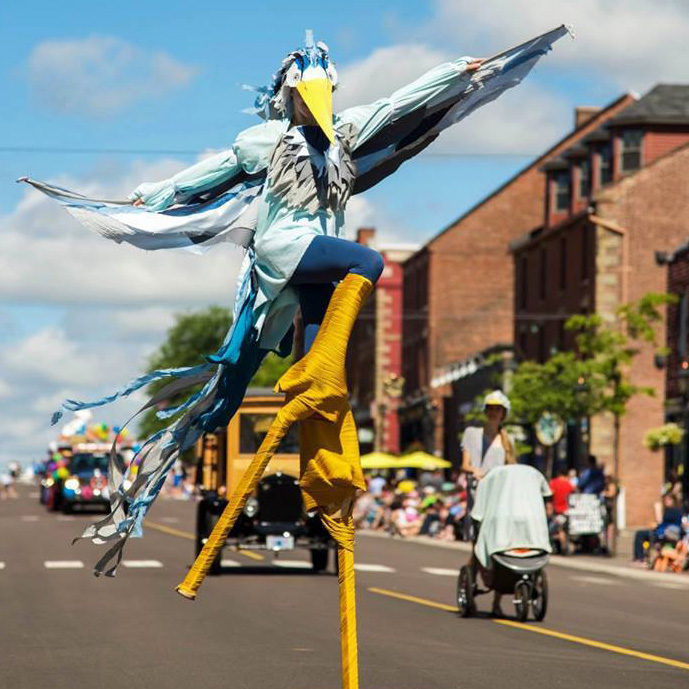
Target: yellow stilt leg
{"points": [[348, 639], [195, 576]]}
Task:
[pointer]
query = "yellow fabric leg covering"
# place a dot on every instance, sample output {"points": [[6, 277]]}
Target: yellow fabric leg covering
{"points": [[348, 637], [316, 395], [289, 413]]}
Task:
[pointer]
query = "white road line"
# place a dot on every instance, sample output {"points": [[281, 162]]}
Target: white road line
{"points": [[169, 520], [296, 564], [29, 518], [64, 564], [230, 563], [596, 580], [441, 571], [668, 585], [141, 564], [361, 567], [2, 565]]}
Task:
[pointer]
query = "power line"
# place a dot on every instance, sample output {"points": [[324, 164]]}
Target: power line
{"points": [[184, 152]]}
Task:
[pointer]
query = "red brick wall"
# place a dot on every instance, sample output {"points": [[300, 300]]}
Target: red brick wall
{"points": [[563, 297], [471, 281], [659, 142], [653, 208]]}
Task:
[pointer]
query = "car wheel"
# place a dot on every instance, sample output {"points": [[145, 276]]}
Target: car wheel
{"points": [[319, 559], [66, 507]]}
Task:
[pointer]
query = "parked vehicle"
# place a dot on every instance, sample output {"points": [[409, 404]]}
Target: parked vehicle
{"points": [[273, 518]]}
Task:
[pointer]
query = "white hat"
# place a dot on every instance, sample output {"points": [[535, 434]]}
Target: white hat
{"points": [[496, 398]]}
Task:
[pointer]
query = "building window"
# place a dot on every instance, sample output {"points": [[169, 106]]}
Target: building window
{"points": [[563, 263], [585, 252], [542, 275], [562, 190], [605, 167], [523, 282], [584, 179], [631, 150]]}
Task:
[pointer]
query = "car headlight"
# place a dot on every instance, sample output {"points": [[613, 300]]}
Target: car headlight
{"points": [[72, 483], [251, 507]]}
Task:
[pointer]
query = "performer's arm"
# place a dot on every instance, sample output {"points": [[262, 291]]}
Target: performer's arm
{"points": [[369, 119], [204, 175], [250, 152]]}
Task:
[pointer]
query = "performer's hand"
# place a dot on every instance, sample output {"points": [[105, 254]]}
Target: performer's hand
{"points": [[138, 202], [473, 66]]}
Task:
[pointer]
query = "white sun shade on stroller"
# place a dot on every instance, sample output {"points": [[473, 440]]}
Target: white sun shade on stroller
{"points": [[509, 506]]}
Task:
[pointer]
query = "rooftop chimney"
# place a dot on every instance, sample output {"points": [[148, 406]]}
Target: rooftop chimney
{"points": [[584, 113]]}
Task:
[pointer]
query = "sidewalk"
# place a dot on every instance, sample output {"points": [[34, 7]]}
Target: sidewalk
{"points": [[619, 566]]}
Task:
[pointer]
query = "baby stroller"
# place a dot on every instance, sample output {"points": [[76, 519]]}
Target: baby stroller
{"points": [[512, 545]]}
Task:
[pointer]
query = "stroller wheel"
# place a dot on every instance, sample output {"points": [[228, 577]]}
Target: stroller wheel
{"points": [[465, 592], [522, 596], [539, 596]]}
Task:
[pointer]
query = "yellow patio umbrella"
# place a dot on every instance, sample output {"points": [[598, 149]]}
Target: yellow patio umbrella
{"points": [[379, 460], [422, 460]]}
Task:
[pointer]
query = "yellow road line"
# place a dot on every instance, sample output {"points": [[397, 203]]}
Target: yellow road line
{"points": [[171, 531], [413, 599], [595, 644], [187, 534], [541, 630]]}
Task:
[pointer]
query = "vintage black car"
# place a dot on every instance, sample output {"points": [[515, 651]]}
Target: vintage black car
{"points": [[273, 518]]}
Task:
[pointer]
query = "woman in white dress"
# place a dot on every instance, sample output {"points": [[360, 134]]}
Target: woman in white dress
{"points": [[486, 447]]}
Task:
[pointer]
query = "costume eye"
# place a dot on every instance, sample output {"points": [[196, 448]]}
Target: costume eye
{"points": [[332, 73], [293, 75]]}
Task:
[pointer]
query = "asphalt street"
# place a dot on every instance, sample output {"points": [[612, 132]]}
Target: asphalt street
{"points": [[272, 624]]}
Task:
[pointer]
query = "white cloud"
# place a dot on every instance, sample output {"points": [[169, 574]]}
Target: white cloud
{"points": [[523, 120], [49, 357], [631, 44], [5, 389], [383, 71], [47, 257], [100, 75]]}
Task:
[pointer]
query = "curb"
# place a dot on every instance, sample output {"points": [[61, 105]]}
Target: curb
{"points": [[588, 565]]}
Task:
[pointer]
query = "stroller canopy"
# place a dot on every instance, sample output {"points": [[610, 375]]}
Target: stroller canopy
{"points": [[509, 506]]}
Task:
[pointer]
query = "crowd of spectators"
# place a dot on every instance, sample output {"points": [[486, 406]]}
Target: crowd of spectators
{"points": [[430, 505]]}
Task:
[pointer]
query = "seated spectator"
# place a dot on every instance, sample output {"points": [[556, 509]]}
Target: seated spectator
{"points": [[671, 516], [406, 519]]}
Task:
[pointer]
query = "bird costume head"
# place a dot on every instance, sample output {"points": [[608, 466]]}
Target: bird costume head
{"points": [[312, 74]]}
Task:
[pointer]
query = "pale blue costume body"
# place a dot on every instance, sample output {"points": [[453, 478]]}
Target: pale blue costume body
{"points": [[282, 233], [245, 195]]}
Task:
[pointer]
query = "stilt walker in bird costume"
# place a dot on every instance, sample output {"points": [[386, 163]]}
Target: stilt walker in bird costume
{"points": [[280, 192]]}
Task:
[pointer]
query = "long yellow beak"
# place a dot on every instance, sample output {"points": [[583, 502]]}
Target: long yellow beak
{"points": [[318, 96]]}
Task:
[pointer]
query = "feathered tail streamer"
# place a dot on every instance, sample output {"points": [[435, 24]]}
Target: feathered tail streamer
{"points": [[225, 378]]}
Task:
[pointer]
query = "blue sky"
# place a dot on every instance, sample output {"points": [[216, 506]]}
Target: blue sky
{"points": [[78, 317]]}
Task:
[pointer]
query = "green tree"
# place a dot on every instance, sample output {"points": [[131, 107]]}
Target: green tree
{"points": [[191, 337], [610, 351], [595, 377]]}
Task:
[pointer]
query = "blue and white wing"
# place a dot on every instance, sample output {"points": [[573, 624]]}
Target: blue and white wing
{"points": [[223, 214], [397, 128]]}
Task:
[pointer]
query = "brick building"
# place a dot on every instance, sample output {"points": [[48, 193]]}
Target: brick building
{"points": [[459, 291], [611, 200], [677, 360], [374, 357]]}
